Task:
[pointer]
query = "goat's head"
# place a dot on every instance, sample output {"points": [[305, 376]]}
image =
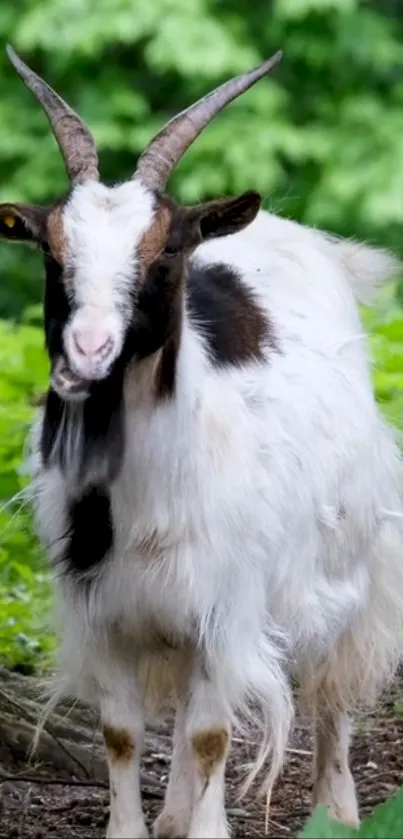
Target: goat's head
{"points": [[106, 247]]}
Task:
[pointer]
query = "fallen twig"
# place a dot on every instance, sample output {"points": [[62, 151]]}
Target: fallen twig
{"points": [[37, 779]]}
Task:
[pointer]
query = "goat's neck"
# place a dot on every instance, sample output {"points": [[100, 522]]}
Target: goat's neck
{"points": [[171, 376]]}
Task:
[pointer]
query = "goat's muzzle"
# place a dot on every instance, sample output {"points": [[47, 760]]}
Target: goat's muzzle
{"points": [[67, 385]]}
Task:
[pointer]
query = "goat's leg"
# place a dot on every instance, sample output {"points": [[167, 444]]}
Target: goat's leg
{"points": [[333, 782], [123, 729], [208, 732], [174, 820]]}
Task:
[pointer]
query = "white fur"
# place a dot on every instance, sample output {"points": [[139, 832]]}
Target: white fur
{"points": [[365, 268], [266, 492]]}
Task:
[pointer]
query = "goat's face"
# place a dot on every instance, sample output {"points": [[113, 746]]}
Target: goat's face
{"points": [[108, 248], [96, 236]]}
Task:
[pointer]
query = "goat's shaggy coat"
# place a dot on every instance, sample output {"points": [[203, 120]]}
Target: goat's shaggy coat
{"points": [[250, 520], [214, 484]]}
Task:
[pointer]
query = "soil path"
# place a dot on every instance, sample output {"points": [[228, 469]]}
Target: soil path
{"points": [[75, 808]]}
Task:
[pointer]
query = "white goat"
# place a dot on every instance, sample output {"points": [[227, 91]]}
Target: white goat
{"points": [[212, 475]]}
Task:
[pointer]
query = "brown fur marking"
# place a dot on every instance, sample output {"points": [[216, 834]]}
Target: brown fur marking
{"points": [[154, 543], [119, 743], [159, 639], [154, 239], [209, 749], [150, 543], [56, 236]]}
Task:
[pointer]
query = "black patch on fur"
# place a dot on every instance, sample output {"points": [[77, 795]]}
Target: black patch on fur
{"points": [[157, 311], [103, 438], [158, 317], [222, 306], [91, 531], [56, 308], [52, 419], [97, 426]]}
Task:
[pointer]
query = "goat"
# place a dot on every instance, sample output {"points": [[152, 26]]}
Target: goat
{"points": [[215, 487]]}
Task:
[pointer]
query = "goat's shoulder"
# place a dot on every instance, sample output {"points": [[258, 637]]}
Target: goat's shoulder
{"points": [[224, 309]]}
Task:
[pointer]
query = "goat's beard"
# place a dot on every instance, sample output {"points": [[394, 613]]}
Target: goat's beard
{"points": [[66, 383]]}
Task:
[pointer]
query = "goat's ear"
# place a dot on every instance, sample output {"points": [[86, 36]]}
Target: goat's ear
{"points": [[23, 222], [222, 217]]}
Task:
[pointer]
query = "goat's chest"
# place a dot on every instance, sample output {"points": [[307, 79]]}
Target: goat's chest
{"points": [[181, 520]]}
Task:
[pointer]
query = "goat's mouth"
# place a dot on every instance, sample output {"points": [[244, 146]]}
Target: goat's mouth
{"points": [[66, 383]]}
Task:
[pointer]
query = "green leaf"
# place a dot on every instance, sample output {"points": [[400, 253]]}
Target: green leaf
{"points": [[385, 823], [320, 826]]}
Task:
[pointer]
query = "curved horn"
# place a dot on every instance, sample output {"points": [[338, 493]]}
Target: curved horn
{"points": [[163, 152], [75, 141]]}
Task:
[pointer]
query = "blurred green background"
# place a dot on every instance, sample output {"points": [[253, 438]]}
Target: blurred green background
{"points": [[322, 139]]}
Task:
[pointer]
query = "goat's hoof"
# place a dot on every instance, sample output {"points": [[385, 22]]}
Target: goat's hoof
{"points": [[341, 808], [171, 826], [344, 817], [206, 831], [127, 831]]}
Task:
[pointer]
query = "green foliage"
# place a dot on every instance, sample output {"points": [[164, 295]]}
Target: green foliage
{"points": [[24, 586], [385, 823], [322, 138], [385, 327]]}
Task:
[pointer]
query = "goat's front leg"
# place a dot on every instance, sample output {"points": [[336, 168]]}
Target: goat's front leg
{"points": [[174, 820], [123, 729], [333, 781], [208, 732]]}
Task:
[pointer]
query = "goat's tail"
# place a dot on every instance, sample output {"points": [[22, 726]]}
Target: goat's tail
{"points": [[270, 708], [368, 268]]}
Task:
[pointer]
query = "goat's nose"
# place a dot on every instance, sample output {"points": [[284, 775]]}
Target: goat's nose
{"points": [[92, 343]]}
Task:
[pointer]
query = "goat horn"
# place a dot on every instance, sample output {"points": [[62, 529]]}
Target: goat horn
{"points": [[165, 150], [75, 141]]}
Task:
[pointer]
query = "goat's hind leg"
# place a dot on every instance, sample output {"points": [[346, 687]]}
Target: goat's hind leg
{"points": [[333, 782]]}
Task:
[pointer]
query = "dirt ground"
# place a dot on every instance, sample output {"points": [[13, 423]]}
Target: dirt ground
{"points": [[64, 806]]}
